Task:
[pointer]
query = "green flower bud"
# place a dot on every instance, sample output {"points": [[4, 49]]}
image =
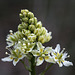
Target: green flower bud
{"points": [[39, 24], [25, 10], [31, 27], [32, 37], [25, 25], [22, 11], [41, 39], [44, 30], [31, 21], [45, 37], [14, 37], [18, 35], [21, 16], [22, 26], [26, 32], [24, 14], [25, 19], [35, 20], [48, 36], [37, 32], [30, 15]]}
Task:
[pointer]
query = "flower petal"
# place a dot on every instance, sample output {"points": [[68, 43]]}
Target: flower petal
{"points": [[39, 60], [9, 59], [15, 61], [49, 59], [64, 55], [48, 50], [60, 64], [35, 52], [39, 45], [67, 63], [57, 49]]}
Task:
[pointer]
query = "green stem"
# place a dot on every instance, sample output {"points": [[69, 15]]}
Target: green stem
{"points": [[32, 65], [46, 69], [25, 66]]}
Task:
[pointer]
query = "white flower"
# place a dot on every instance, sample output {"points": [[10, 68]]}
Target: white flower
{"points": [[42, 54], [15, 57], [16, 60], [60, 57]]}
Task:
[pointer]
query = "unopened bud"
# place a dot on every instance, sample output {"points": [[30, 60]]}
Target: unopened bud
{"points": [[25, 19], [41, 39], [31, 27], [24, 25], [20, 27], [25, 32], [30, 15], [39, 24], [48, 36], [20, 15], [22, 11], [37, 32], [31, 21], [44, 30], [35, 20], [24, 14], [26, 10]]}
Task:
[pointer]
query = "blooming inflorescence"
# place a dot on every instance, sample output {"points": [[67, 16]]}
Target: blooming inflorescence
{"points": [[28, 40]]}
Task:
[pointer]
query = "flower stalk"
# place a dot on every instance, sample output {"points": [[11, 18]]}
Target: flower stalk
{"points": [[46, 69], [32, 66], [26, 67]]}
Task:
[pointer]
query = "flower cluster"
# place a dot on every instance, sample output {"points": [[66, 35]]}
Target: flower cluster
{"points": [[29, 39]]}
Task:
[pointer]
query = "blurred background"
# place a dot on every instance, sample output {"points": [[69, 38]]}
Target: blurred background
{"points": [[57, 16]]}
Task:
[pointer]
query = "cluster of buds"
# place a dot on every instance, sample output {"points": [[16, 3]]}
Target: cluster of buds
{"points": [[32, 29], [29, 39]]}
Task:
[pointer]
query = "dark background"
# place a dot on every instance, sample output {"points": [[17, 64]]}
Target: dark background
{"points": [[57, 16]]}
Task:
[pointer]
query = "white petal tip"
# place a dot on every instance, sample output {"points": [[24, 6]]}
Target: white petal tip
{"points": [[15, 61], [3, 59], [40, 60], [6, 59], [67, 63]]}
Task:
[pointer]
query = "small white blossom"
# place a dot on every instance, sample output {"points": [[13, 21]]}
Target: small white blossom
{"points": [[60, 57], [42, 54], [15, 56]]}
